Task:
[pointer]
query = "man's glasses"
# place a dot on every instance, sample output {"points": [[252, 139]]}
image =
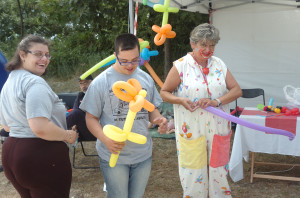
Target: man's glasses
{"points": [[129, 63], [39, 54], [85, 82]]}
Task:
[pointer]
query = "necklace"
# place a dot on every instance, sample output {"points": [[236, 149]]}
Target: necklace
{"points": [[204, 71]]}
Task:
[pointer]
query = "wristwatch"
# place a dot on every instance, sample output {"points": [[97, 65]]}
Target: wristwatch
{"points": [[219, 102]]}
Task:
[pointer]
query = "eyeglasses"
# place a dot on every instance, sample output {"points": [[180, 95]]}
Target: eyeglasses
{"points": [[129, 63], [40, 54], [205, 45], [86, 82]]}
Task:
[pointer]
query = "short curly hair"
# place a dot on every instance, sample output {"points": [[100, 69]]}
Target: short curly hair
{"points": [[205, 32]]}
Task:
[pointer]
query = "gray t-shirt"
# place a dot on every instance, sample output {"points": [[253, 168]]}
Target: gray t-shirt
{"points": [[101, 102], [25, 96]]}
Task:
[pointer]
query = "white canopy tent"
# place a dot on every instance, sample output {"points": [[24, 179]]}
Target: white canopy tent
{"points": [[260, 42]]}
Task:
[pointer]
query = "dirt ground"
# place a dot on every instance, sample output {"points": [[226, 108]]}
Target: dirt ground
{"points": [[164, 180]]}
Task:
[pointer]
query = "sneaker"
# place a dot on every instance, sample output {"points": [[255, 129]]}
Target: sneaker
{"points": [[104, 187]]}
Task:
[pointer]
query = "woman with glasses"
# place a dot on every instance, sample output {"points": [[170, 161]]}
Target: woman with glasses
{"points": [[35, 156], [130, 175], [195, 81]]}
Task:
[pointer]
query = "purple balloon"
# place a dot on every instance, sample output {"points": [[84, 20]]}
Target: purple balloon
{"points": [[143, 61], [251, 125]]}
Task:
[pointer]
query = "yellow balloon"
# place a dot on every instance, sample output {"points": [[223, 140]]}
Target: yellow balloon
{"points": [[137, 138], [114, 133], [135, 95]]}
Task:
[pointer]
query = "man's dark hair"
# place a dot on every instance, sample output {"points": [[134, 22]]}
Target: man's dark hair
{"points": [[126, 42]]}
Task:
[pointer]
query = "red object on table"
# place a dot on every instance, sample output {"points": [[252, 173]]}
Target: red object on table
{"points": [[278, 121]]}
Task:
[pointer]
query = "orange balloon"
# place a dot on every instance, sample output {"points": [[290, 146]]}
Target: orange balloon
{"points": [[131, 91], [153, 74], [159, 39], [165, 29], [162, 33], [135, 95], [135, 83], [156, 28]]}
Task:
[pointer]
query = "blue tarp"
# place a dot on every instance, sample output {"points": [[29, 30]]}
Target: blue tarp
{"points": [[3, 72]]}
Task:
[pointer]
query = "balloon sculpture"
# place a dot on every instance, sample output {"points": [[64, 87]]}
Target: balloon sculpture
{"points": [[146, 54], [135, 95], [153, 74], [109, 60], [249, 124], [145, 57], [149, 3], [165, 31]]}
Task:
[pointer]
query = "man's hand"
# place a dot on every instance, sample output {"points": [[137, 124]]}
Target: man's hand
{"points": [[113, 146], [162, 124]]}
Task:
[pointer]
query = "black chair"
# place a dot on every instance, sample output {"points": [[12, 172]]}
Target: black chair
{"points": [[86, 155], [69, 99], [250, 93]]}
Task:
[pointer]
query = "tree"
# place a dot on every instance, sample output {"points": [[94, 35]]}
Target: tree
{"points": [[83, 32]]}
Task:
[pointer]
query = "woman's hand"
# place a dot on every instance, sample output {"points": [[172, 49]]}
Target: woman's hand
{"points": [[71, 136], [205, 102], [113, 146], [188, 104]]}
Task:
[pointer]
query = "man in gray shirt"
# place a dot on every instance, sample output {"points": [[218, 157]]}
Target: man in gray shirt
{"points": [[130, 175]]}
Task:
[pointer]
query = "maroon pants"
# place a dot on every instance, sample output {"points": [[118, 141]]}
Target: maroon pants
{"points": [[37, 168]]}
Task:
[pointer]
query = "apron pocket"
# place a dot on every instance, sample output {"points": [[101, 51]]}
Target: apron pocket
{"points": [[220, 151], [192, 153]]}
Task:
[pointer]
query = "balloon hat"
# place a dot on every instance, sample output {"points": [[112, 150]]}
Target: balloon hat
{"points": [[108, 61], [135, 95], [151, 4]]}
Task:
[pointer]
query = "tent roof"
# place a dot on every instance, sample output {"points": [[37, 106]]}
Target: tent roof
{"points": [[203, 6]]}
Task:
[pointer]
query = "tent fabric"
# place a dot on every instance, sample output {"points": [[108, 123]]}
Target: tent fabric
{"points": [[3, 72], [260, 42], [203, 6]]}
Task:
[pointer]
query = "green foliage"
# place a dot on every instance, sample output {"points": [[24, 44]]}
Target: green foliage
{"points": [[82, 33]]}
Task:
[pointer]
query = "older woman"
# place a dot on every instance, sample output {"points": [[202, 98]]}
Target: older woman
{"points": [[35, 157], [198, 80]]}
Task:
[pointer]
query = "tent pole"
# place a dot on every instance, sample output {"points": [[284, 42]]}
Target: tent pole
{"points": [[130, 10]]}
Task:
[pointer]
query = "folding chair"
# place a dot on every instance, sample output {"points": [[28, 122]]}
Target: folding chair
{"points": [[86, 155], [250, 93], [69, 99]]}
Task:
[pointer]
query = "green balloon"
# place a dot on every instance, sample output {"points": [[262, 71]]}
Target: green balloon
{"points": [[261, 107]]}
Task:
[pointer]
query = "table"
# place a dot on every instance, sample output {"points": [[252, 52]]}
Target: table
{"points": [[247, 139]]}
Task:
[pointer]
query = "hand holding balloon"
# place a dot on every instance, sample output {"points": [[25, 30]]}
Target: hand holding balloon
{"points": [[249, 124], [135, 95]]}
